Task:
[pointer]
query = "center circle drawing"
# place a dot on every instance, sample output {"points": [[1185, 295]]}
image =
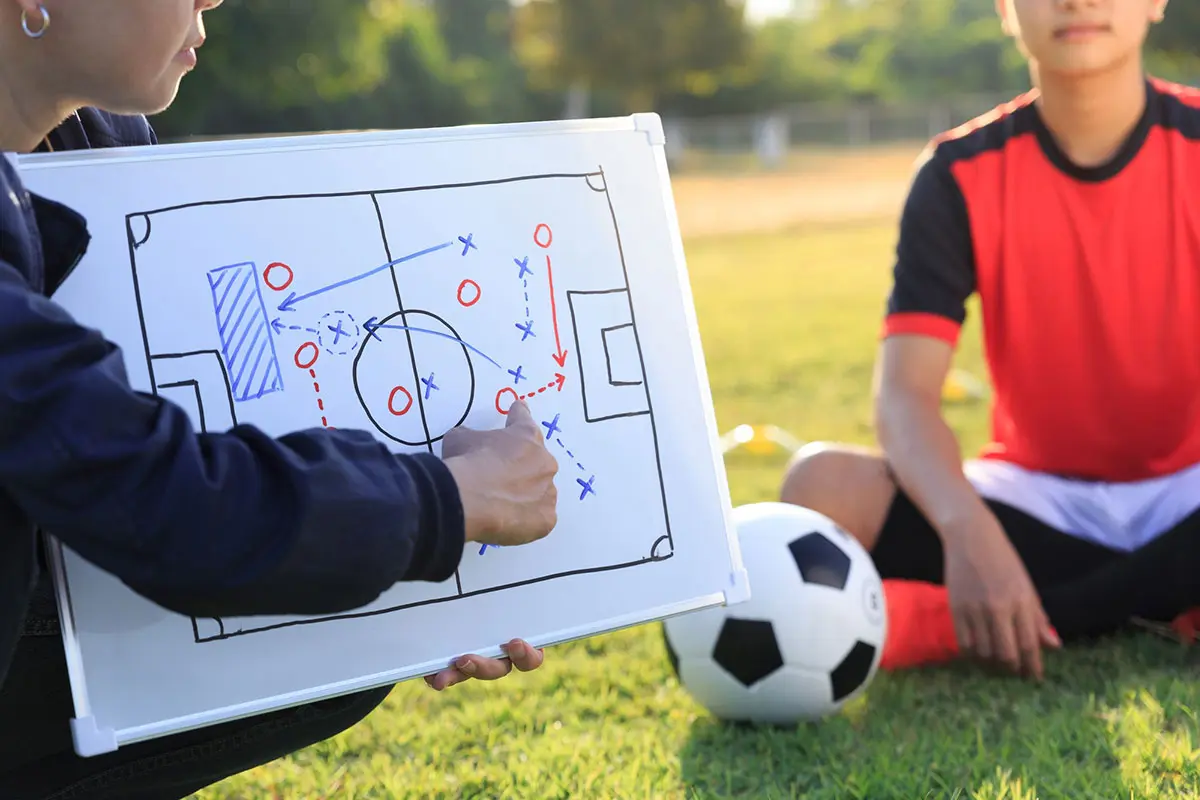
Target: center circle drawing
{"points": [[414, 377]]}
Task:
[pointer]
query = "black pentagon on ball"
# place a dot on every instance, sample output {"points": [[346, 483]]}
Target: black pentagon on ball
{"points": [[852, 672], [747, 650], [820, 561]]}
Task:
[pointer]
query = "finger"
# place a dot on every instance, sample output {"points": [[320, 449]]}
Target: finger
{"points": [[445, 679], [1004, 638], [981, 633], [1029, 644], [519, 415], [524, 657], [484, 669], [963, 632]]}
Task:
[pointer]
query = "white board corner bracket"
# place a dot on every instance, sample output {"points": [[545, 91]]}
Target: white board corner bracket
{"points": [[739, 588], [90, 739], [650, 123]]}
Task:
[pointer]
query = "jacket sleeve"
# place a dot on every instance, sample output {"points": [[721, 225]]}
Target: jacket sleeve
{"points": [[235, 523]]}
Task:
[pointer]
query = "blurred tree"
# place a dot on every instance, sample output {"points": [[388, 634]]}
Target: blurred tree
{"points": [[638, 49], [298, 65], [267, 56], [1179, 32], [479, 29], [479, 40]]}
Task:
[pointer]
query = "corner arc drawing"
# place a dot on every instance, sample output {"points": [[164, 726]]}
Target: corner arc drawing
{"points": [[406, 312]]}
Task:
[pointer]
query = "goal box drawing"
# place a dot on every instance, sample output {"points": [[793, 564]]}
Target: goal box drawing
{"points": [[448, 325]]}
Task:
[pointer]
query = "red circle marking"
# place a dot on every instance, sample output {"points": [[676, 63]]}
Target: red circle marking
{"points": [[501, 393], [392, 401], [537, 235], [316, 352], [273, 268], [475, 299]]}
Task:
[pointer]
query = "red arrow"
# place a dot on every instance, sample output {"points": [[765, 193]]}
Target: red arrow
{"points": [[560, 356], [559, 380]]}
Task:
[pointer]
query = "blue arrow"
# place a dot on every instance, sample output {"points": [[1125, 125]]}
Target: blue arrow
{"points": [[280, 326], [292, 299], [371, 326]]}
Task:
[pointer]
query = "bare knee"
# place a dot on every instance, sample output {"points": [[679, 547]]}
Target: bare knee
{"points": [[851, 485]]}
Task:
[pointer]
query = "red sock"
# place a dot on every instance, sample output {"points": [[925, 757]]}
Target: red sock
{"points": [[920, 625], [1186, 625]]}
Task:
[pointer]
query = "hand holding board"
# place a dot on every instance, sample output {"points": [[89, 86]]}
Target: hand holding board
{"points": [[405, 284]]}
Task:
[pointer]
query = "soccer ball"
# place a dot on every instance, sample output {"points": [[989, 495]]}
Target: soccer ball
{"points": [[807, 641]]}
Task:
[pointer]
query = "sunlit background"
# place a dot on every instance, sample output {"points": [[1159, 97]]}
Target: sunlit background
{"points": [[792, 129]]}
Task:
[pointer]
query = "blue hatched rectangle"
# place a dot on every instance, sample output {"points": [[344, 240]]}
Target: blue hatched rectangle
{"points": [[246, 342]]}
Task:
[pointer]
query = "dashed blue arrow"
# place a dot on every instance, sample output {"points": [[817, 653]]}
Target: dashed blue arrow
{"points": [[292, 299], [280, 327], [371, 326]]}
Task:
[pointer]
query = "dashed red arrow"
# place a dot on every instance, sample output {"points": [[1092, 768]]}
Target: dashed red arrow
{"points": [[559, 380], [560, 355]]}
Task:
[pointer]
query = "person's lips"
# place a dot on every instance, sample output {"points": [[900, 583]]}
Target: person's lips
{"points": [[1079, 31], [188, 54]]}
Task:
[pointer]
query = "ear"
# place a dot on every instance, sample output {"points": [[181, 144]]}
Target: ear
{"points": [[1158, 10]]}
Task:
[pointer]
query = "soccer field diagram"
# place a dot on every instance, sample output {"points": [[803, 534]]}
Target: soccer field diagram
{"points": [[406, 312]]}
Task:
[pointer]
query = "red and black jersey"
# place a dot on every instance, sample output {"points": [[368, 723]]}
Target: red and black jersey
{"points": [[1088, 281]]}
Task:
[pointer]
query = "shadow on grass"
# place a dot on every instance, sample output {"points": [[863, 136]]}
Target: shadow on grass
{"points": [[1112, 720]]}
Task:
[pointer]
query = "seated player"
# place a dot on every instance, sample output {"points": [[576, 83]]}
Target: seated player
{"points": [[1074, 213]]}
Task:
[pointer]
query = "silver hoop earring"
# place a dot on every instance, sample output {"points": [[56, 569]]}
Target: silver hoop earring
{"points": [[40, 32]]}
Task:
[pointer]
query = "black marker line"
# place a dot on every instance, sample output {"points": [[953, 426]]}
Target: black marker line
{"points": [[220, 364], [412, 353], [446, 599], [137, 290], [642, 359], [361, 192], [604, 332], [195, 384]]}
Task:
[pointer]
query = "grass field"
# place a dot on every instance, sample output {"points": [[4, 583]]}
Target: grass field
{"points": [[788, 314]]}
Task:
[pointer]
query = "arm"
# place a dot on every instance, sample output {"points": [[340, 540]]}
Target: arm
{"points": [[997, 613], [934, 276], [921, 448], [235, 523]]}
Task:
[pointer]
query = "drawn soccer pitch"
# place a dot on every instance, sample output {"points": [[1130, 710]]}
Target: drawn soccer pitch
{"points": [[461, 314]]}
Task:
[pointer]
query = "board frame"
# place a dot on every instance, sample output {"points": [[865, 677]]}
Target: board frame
{"points": [[90, 736]]}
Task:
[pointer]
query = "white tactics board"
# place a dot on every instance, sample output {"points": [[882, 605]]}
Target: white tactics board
{"points": [[403, 284]]}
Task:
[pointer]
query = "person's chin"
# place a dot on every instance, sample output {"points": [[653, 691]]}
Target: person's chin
{"points": [[1081, 65], [152, 100]]}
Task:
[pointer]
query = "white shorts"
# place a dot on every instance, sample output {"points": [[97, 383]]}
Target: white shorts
{"points": [[1120, 516]]}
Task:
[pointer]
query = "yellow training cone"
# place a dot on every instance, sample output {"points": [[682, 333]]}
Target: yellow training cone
{"points": [[961, 386], [761, 440]]}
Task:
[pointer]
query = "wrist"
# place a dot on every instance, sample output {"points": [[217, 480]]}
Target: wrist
{"points": [[960, 523], [462, 469]]}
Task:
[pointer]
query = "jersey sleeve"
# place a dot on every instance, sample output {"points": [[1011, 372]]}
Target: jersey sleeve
{"points": [[208, 524], [934, 271]]}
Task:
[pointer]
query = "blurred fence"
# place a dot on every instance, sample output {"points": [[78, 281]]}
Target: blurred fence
{"points": [[769, 138]]}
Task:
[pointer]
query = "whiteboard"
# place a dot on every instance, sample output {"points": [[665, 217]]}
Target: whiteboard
{"points": [[402, 283]]}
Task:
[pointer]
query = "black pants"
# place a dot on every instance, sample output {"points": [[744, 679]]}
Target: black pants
{"points": [[1087, 590], [37, 761]]}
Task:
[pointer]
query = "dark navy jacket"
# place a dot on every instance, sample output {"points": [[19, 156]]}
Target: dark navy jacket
{"points": [[236, 523]]}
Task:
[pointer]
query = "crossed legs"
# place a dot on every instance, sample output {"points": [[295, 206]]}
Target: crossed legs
{"points": [[1086, 589]]}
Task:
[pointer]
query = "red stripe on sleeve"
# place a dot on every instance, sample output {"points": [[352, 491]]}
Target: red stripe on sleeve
{"points": [[921, 323]]}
